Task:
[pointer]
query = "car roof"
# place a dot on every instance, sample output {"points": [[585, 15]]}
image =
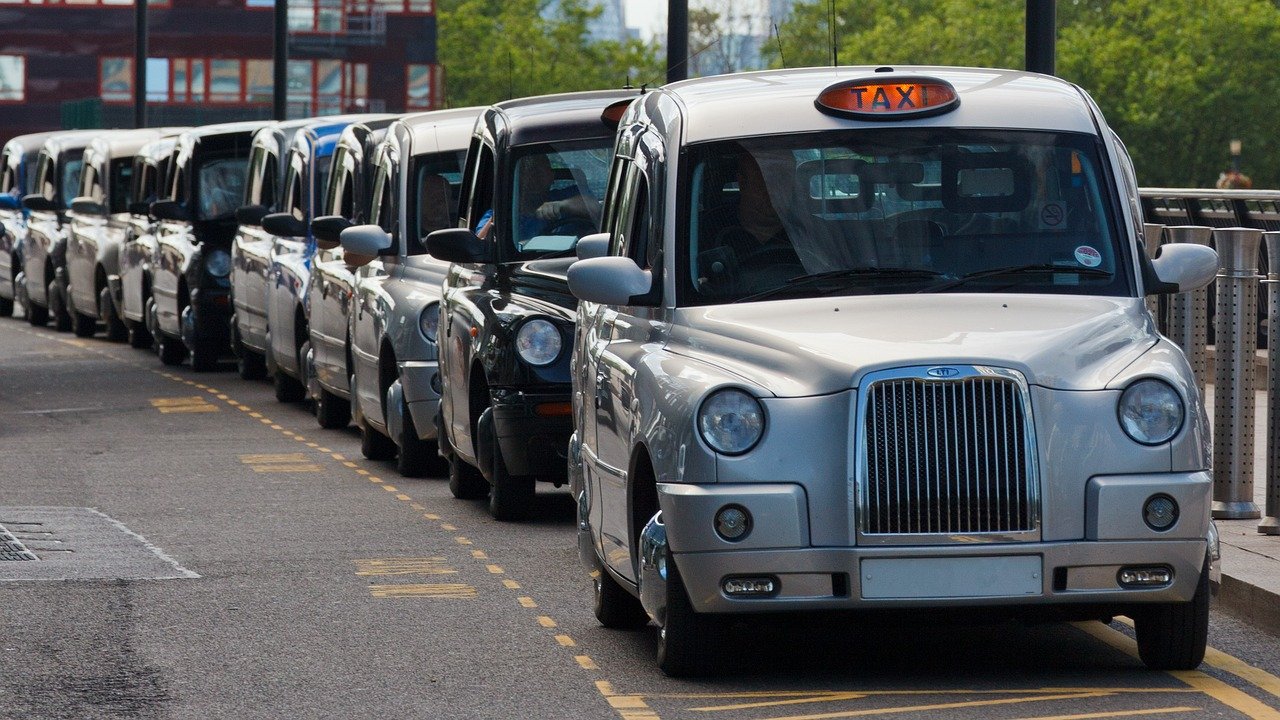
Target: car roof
{"points": [[248, 126], [73, 140], [546, 118], [128, 142], [32, 141], [442, 129], [766, 102]]}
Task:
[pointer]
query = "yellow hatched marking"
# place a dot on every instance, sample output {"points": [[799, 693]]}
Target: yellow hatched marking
{"points": [[526, 601], [287, 468], [511, 584], [495, 569], [280, 463], [566, 641], [273, 458], [450, 591], [588, 664], [194, 404], [947, 706], [479, 555], [403, 566], [1116, 714], [1257, 677], [546, 622]]}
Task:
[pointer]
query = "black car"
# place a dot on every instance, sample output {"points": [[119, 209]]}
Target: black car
{"points": [[535, 176]]}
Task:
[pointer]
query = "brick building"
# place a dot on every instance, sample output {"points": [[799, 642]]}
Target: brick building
{"points": [[69, 63]]}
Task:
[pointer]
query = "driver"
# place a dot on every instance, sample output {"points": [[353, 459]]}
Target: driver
{"points": [[540, 206]]}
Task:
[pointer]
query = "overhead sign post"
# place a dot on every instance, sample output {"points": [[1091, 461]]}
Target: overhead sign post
{"points": [[677, 40], [279, 91], [1042, 29]]}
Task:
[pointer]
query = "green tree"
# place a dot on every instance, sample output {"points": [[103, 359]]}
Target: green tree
{"points": [[1176, 79], [494, 50]]}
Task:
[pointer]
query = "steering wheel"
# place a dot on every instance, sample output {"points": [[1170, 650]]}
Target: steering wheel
{"points": [[576, 226]]}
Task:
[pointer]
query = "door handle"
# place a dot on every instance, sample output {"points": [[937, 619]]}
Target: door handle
{"points": [[600, 389]]}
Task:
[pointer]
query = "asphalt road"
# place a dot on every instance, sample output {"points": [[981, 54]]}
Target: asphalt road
{"points": [[239, 562]]}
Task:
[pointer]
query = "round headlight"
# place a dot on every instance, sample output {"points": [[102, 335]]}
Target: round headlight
{"points": [[1151, 411], [538, 342], [218, 263], [429, 321], [731, 421]]}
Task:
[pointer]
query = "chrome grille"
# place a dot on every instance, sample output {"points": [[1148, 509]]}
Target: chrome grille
{"points": [[950, 457]]}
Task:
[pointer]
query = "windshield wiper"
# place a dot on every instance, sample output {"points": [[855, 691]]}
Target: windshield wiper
{"points": [[857, 273], [1033, 269]]}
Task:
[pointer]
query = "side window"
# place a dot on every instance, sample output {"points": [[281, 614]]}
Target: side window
{"points": [[294, 195], [631, 236], [144, 181], [338, 195], [382, 202], [270, 180], [253, 188], [478, 179], [46, 179], [89, 184], [119, 182], [612, 194]]}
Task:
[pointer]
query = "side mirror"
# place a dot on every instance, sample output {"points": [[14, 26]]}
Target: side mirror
{"points": [[9, 202], [284, 225], [328, 229], [251, 214], [459, 245], [593, 246], [86, 205], [140, 208], [39, 203], [361, 244], [170, 210], [608, 280], [1189, 267]]}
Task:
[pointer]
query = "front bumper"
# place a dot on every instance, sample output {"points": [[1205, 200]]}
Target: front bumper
{"points": [[533, 431]]}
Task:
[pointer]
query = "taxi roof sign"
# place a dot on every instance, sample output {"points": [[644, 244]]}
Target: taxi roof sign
{"points": [[888, 99]]}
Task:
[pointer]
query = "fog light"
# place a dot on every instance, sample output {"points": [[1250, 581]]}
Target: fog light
{"points": [[1160, 512], [741, 586], [1137, 576], [436, 385], [733, 522]]}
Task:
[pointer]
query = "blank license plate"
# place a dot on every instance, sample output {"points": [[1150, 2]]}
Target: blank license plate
{"points": [[966, 577]]}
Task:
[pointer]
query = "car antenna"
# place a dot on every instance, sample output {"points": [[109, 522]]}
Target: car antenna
{"points": [[777, 36], [831, 32], [511, 70], [686, 60]]}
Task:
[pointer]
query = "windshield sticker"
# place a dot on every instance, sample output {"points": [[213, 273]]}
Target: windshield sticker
{"points": [[1088, 256], [1052, 215]]}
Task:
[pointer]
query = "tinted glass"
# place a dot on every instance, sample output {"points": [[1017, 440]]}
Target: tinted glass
{"points": [[437, 183], [71, 167], [221, 187], [556, 195]]}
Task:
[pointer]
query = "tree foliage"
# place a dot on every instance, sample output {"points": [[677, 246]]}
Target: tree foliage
{"points": [[1176, 79], [493, 50]]}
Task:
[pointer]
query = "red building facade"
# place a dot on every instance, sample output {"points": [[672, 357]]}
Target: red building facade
{"points": [[69, 63]]}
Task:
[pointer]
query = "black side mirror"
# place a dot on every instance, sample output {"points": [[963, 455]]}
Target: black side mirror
{"points": [[170, 210], [459, 245], [140, 208], [251, 214], [39, 203], [284, 225], [88, 206], [328, 229]]}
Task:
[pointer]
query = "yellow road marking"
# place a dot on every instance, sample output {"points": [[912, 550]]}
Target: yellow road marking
{"points": [[224, 397], [565, 641], [451, 591], [462, 541], [201, 386], [495, 569], [313, 445], [287, 468], [361, 471], [526, 601], [628, 706], [338, 456], [1233, 698], [447, 526], [245, 408], [196, 404], [403, 566], [1257, 677], [416, 506], [255, 414], [430, 516], [944, 706], [280, 463], [289, 433], [588, 664], [511, 584], [1116, 714], [546, 622], [479, 555], [264, 421], [404, 497], [389, 488], [277, 427], [324, 450], [349, 464]]}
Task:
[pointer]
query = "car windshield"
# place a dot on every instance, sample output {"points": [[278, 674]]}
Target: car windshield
{"points": [[556, 197], [220, 187], [897, 211]]}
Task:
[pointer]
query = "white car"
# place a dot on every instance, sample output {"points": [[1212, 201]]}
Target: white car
{"points": [[17, 178], [132, 292], [863, 338]]}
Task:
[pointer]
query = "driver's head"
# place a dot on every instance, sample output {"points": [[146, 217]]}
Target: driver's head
{"points": [[756, 213], [535, 179]]}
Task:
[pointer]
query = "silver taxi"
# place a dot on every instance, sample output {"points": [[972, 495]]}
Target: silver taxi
{"points": [[859, 338], [17, 178]]}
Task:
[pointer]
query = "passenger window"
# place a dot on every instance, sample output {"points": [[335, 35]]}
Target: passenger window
{"points": [[119, 182], [293, 190], [270, 181], [611, 195], [481, 201], [89, 186], [45, 178], [382, 202]]}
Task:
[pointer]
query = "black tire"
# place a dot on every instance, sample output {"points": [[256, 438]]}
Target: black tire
{"points": [[250, 365], [139, 338], [510, 497], [332, 412], [170, 350], [288, 390], [6, 307], [37, 315], [204, 358], [374, 445], [1173, 636], [83, 325], [57, 309], [614, 606], [465, 481], [687, 640], [418, 457], [116, 330]]}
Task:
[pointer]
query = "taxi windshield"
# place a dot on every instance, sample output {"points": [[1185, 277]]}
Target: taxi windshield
{"points": [[898, 211], [556, 195], [220, 187]]}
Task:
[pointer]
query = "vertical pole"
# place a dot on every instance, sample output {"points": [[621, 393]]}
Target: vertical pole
{"points": [[1236, 345], [279, 89], [1188, 311], [140, 63], [1270, 524], [1041, 23], [1152, 236], [677, 40]]}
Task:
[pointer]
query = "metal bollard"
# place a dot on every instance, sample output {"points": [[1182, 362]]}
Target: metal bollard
{"points": [[1235, 324], [1152, 235], [1189, 312], [1270, 524]]}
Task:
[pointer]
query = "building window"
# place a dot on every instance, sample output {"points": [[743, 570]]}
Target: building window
{"points": [[86, 3], [325, 15], [158, 80], [116, 83], [13, 78], [315, 87], [422, 87], [224, 81], [258, 81]]}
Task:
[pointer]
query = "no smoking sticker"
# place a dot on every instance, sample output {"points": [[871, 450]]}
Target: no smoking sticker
{"points": [[1052, 215]]}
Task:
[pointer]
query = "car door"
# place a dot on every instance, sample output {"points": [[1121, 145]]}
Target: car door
{"points": [[84, 235], [282, 272], [329, 292], [367, 317], [251, 249]]}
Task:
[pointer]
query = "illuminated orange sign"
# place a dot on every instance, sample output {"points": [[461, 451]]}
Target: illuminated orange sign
{"points": [[612, 115], [888, 99]]}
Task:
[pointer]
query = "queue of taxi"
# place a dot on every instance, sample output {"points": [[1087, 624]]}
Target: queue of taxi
{"points": [[825, 339]]}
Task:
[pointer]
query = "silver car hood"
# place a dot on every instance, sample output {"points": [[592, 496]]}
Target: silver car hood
{"points": [[817, 346]]}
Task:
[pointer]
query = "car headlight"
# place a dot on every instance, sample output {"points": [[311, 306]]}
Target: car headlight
{"points": [[538, 342], [218, 263], [429, 321], [731, 421], [1151, 411]]}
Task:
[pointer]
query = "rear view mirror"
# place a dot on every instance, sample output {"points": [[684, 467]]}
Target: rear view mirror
{"points": [[1189, 267], [609, 280], [361, 244], [85, 205], [39, 203], [593, 246], [328, 229], [284, 225], [170, 210], [9, 202], [251, 214], [459, 245]]}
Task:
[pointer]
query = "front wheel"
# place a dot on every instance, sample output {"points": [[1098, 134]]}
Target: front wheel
{"points": [[686, 639], [6, 307], [332, 412], [373, 444], [83, 325], [116, 330], [1173, 636], [614, 606], [58, 308], [510, 497], [170, 350], [418, 457], [288, 390]]}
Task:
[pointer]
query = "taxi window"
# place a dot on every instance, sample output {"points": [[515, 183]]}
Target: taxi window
{"points": [[902, 210], [437, 184], [556, 195], [70, 177], [121, 179], [220, 184]]}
